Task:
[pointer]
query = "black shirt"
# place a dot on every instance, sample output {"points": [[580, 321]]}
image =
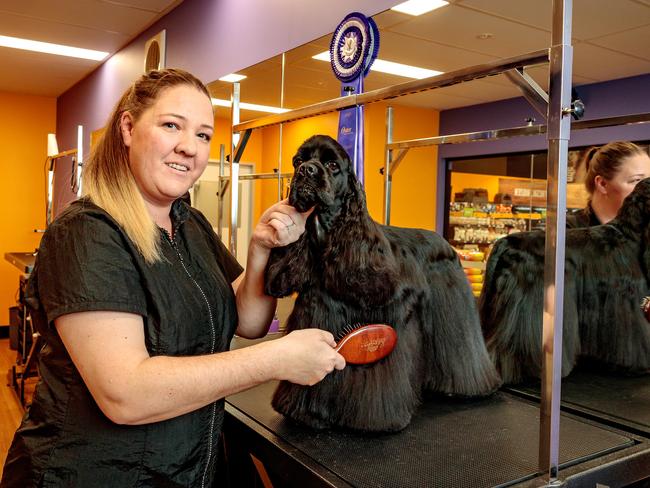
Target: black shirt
{"points": [[585, 217], [86, 262]]}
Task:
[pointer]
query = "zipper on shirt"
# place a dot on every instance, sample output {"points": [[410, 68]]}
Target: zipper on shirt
{"points": [[174, 245]]}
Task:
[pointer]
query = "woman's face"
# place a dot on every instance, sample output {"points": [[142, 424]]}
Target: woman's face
{"points": [[169, 145], [633, 169]]}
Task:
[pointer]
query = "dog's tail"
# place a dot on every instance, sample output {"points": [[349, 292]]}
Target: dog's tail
{"points": [[456, 359]]}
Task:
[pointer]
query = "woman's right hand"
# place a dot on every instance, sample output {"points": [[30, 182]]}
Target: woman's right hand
{"points": [[307, 356]]}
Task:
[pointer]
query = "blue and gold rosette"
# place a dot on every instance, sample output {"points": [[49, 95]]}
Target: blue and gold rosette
{"points": [[353, 49]]}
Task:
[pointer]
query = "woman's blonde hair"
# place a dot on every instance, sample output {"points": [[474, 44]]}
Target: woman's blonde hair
{"points": [[107, 177]]}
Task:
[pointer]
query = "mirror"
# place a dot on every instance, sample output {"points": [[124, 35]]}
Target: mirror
{"points": [[460, 35]]}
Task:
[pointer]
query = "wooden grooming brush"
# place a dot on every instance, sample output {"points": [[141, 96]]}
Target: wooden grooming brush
{"points": [[367, 344]]}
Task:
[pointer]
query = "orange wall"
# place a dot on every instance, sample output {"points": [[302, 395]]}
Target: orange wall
{"points": [[25, 122], [414, 183], [413, 201]]}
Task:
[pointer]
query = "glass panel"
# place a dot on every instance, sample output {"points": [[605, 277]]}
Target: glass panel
{"points": [[488, 197]]}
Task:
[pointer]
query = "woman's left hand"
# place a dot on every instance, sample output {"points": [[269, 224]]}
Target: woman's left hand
{"points": [[280, 225]]}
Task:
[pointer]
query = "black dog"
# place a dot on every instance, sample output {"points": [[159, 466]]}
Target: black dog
{"points": [[348, 269], [606, 279]]}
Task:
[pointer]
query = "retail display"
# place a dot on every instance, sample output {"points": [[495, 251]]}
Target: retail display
{"points": [[473, 263], [482, 224], [347, 268]]}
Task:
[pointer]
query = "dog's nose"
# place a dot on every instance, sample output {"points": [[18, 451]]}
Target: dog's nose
{"points": [[307, 169]]}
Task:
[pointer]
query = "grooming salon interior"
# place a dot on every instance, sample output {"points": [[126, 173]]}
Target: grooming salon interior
{"points": [[473, 119]]}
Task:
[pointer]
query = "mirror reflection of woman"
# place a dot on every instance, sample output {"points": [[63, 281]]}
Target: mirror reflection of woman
{"points": [[612, 172], [137, 299]]}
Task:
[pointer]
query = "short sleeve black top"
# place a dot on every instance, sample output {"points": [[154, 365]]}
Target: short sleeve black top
{"points": [[86, 262]]}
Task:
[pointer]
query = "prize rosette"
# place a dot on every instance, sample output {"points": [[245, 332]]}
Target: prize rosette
{"points": [[354, 47]]}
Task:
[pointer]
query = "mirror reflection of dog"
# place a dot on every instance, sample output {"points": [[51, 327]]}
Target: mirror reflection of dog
{"points": [[348, 269], [606, 280]]}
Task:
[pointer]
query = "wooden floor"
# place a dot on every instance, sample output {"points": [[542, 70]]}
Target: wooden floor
{"points": [[10, 410]]}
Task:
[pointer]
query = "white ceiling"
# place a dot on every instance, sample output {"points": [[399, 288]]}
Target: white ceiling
{"points": [[103, 25], [611, 39]]}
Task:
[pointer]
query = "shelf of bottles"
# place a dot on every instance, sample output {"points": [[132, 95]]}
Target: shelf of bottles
{"points": [[484, 223]]}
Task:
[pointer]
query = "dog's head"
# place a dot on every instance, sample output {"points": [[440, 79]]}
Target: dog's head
{"points": [[634, 214], [633, 219], [355, 262], [323, 174]]}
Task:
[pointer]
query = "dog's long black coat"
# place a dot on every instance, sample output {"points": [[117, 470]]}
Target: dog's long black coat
{"points": [[606, 278], [348, 269]]}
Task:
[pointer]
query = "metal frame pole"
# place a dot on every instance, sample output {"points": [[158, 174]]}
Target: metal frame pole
{"points": [[234, 171], [221, 184], [280, 130], [388, 178], [78, 166], [559, 127]]}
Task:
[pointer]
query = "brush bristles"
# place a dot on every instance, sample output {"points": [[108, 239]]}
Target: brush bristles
{"points": [[348, 329]]}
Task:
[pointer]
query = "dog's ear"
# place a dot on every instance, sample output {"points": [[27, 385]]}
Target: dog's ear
{"points": [[360, 268], [289, 269], [354, 201], [634, 214], [633, 219], [359, 263], [641, 196]]}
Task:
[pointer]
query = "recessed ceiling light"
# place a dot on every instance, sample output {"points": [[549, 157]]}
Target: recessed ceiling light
{"points": [[232, 78], [49, 48], [419, 7], [390, 67], [217, 102]]}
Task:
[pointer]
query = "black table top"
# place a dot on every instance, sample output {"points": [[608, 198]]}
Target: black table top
{"points": [[484, 443], [622, 401]]}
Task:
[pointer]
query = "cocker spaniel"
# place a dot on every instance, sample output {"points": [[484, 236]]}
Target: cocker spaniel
{"points": [[606, 280], [347, 269]]}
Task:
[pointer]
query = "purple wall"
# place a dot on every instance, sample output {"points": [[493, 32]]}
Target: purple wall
{"points": [[210, 38], [617, 97]]}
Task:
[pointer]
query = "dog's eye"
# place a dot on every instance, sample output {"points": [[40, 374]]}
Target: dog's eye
{"points": [[297, 162], [333, 166]]}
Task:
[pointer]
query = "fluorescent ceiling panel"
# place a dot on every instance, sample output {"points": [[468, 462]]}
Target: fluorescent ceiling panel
{"points": [[419, 7], [232, 78], [390, 67], [49, 48], [250, 106]]}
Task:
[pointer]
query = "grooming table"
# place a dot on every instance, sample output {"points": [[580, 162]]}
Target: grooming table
{"points": [[620, 401], [449, 443]]}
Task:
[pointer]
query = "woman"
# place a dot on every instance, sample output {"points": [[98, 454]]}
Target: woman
{"points": [[612, 172], [134, 290]]}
